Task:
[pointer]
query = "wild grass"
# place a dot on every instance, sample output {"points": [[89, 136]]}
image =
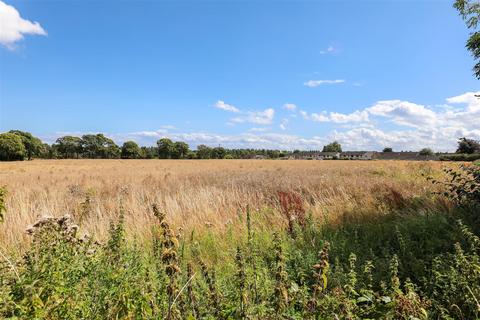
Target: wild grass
{"points": [[412, 253], [207, 194]]}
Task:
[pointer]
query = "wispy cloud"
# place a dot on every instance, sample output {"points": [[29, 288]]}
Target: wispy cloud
{"points": [[290, 106], [225, 106], [13, 27], [283, 124], [316, 83], [330, 49], [336, 117], [264, 117]]}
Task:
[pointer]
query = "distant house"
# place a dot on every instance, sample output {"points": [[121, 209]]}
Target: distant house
{"points": [[404, 155], [356, 155], [326, 155]]}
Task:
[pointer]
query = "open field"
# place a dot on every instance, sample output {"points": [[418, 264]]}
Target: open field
{"points": [[201, 193], [239, 239]]}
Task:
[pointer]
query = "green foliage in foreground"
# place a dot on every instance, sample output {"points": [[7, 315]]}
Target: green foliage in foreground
{"points": [[401, 266]]}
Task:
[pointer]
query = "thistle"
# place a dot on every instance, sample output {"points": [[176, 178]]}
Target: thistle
{"points": [[281, 299], [191, 294], [394, 280], [213, 295], [169, 258], [320, 276], [352, 275], [241, 283]]}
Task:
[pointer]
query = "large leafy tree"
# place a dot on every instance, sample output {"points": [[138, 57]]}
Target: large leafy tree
{"points": [[131, 150], [99, 146], [470, 12], [166, 148], [204, 152], [69, 146], [181, 150], [32, 144], [332, 147], [219, 153], [11, 147], [468, 146]]}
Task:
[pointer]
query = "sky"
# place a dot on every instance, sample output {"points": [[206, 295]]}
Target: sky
{"points": [[245, 74]]}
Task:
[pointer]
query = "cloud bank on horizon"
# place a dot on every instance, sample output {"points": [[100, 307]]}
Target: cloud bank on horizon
{"points": [[415, 126]]}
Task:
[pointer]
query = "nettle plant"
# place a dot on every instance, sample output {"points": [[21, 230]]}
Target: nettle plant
{"points": [[463, 184]]}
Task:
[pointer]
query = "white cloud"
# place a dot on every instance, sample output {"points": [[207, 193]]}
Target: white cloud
{"points": [[316, 83], [258, 129], [225, 106], [290, 106], [283, 124], [257, 117], [335, 117], [330, 49], [404, 113], [13, 27], [472, 99]]}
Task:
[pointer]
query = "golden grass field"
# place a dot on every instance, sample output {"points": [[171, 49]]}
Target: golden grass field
{"points": [[200, 193]]}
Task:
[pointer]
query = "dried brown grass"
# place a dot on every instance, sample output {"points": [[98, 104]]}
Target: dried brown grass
{"points": [[200, 193]]}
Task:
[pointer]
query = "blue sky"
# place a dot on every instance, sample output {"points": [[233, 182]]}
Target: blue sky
{"points": [[278, 74]]}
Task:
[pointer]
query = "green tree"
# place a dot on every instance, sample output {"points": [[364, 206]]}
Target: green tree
{"points": [[468, 146], [426, 152], [219, 153], [32, 144], [332, 147], [11, 147], [387, 150], [131, 150], [470, 12], [181, 150], [99, 146], [204, 152], [149, 152], [69, 146], [166, 148]]}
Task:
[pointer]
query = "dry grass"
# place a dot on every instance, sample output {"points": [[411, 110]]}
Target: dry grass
{"points": [[200, 193]]}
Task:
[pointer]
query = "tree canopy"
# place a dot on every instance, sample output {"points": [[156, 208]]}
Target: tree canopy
{"points": [[470, 12], [32, 144], [332, 147], [468, 146], [131, 150], [11, 147]]}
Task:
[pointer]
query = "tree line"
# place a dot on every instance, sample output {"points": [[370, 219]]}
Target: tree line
{"points": [[21, 145]]}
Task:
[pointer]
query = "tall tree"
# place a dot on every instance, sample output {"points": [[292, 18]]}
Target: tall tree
{"points": [[131, 150], [468, 146], [11, 147], [99, 146], [219, 153], [470, 12], [69, 146], [204, 152], [332, 147], [181, 150], [32, 144], [166, 148]]}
